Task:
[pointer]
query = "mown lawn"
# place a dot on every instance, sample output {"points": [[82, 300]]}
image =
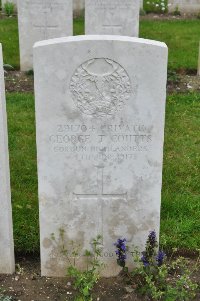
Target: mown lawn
{"points": [[180, 219], [181, 36]]}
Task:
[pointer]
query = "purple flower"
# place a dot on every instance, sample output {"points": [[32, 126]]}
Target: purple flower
{"points": [[152, 240], [144, 259], [160, 257], [121, 252]]}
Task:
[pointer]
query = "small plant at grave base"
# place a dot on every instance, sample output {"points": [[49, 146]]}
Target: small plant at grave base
{"points": [[84, 281], [198, 15], [160, 279], [177, 11], [30, 72], [142, 12], [173, 77], [9, 8]]}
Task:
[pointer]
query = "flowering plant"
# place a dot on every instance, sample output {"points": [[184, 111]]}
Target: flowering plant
{"points": [[156, 6], [154, 276], [121, 252]]}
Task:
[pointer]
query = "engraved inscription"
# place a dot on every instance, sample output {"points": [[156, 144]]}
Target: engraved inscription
{"points": [[101, 142], [111, 4], [100, 87]]}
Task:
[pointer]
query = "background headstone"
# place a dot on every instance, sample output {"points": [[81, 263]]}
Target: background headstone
{"points": [[100, 110], [41, 20], [7, 264], [184, 6], [118, 17]]}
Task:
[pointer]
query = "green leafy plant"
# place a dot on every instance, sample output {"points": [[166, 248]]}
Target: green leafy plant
{"points": [[198, 15], [9, 8], [173, 77], [5, 298], [177, 11], [84, 281], [161, 279], [155, 6]]}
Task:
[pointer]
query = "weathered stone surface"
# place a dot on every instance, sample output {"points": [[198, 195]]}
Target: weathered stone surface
{"points": [[41, 20], [100, 108], [184, 6], [7, 264], [118, 17]]}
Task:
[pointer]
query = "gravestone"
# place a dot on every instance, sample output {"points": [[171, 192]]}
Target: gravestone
{"points": [[184, 6], [41, 20], [116, 17], [100, 108], [7, 264]]}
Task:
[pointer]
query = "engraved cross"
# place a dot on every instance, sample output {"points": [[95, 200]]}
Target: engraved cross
{"points": [[100, 182], [101, 194], [45, 27]]}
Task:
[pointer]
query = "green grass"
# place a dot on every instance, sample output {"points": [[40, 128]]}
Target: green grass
{"points": [[10, 41], [180, 218], [22, 148], [180, 223], [181, 36]]}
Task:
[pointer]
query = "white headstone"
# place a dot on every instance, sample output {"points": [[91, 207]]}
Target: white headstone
{"points": [[117, 17], [7, 264], [41, 20], [184, 6], [100, 110]]}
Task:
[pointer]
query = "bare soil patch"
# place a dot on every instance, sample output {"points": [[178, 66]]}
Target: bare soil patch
{"points": [[28, 285], [18, 81], [152, 16]]}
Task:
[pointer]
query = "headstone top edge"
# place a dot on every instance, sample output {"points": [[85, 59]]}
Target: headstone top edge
{"points": [[99, 38]]}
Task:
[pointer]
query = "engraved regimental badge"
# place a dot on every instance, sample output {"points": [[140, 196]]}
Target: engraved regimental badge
{"points": [[100, 87]]}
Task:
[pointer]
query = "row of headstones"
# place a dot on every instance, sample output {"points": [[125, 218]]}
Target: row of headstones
{"points": [[78, 5], [42, 20], [100, 103], [184, 6]]}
